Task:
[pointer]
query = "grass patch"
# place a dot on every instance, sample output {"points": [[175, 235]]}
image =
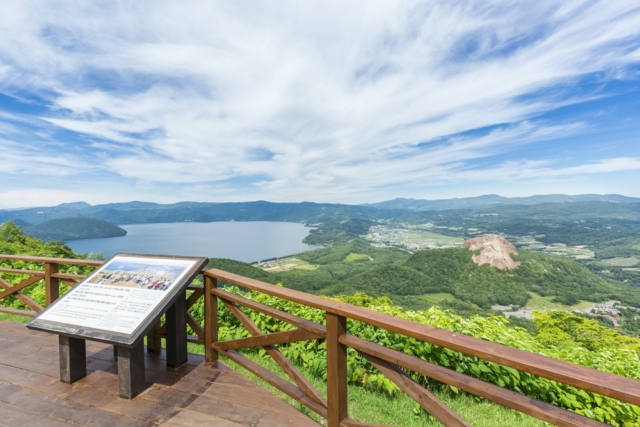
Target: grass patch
{"points": [[438, 298], [621, 262], [285, 264], [353, 257], [538, 302]]}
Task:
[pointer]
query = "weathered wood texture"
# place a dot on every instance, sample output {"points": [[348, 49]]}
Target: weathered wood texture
{"points": [[210, 319], [336, 370], [130, 362], [31, 393], [73, 359]]}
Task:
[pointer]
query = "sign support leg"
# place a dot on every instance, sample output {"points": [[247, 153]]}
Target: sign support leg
{"points": [[176, 335], [73, 359], [131, 370]]}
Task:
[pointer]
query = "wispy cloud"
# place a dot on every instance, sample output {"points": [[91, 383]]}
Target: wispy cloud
{"points": [[311, 100]]}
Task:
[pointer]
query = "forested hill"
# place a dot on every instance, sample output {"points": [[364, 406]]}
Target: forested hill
{"points": [[73, 228], [453, 271]]}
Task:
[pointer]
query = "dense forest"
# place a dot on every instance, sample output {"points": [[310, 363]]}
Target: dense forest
{"points": [[73, 228]]}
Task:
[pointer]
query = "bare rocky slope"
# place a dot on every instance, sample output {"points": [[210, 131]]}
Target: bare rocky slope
{"points": [[494, 250]]}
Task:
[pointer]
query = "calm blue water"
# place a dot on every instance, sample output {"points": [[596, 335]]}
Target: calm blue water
{"points": [[242, 241]]}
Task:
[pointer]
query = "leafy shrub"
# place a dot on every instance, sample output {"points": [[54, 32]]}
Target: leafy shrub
{"points": [[561, 336]]}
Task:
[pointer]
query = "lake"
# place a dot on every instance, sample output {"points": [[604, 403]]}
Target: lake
{"points": [[242, 241]]}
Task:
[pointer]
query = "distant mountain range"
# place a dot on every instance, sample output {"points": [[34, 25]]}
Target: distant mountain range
{"points": [[490, 200], [146, 212]]}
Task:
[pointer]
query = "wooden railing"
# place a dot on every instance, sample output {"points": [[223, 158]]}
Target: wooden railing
{"points": [[392, 363]]}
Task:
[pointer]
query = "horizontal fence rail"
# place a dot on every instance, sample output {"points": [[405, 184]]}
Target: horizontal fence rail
{"points": [[393, 364]]}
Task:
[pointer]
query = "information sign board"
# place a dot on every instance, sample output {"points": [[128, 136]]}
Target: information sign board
{"points": [[122, 299]]}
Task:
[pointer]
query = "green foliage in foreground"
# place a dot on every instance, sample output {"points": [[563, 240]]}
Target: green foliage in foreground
{"points": [[561, 336], [14, 242]]}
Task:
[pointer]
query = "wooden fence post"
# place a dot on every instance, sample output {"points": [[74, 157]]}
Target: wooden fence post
{"points": [[51, 284], [210, 319], [336, 370]]}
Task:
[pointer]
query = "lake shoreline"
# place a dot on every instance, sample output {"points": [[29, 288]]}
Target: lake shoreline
{"points": [[247, 241]]}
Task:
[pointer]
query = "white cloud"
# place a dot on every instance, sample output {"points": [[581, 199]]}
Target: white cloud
{"points": [[341, 97]]}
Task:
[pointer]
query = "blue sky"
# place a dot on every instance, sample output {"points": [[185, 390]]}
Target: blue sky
{"points": [[323, 101]]}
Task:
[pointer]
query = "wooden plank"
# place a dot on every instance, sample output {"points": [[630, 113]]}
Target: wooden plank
{"points": [[36, 381], [210, 319], [13, 416], [195, 295], [29, 362], [69, 276], [138, 408], [29, 302], [14, 339], [427, 400], [503, 396], [51, 284], [71, 283], [606, 384], [286, 419], [20, 271], [190, 419], [17, 312], [15, 288], [65, 261], [85, 415], [277, 382], [336, 370], [233, 411], [191, 321], [278, 357], [301, 323], [22, 297], [267, 339], [194, 340], [352, 423]]}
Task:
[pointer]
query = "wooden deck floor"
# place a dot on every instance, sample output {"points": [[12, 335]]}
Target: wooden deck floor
{"points": [[32, 395]]}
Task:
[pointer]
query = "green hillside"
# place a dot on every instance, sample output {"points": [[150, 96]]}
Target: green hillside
{"points": [[74, 228], [354, 267], [452, 270]]}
